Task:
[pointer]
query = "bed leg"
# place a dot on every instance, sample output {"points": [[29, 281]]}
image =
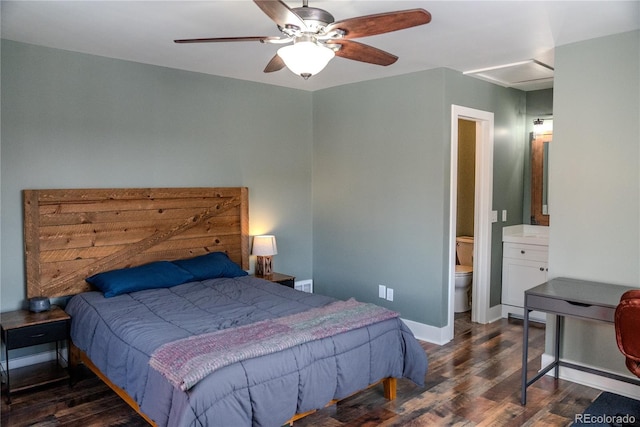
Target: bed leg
{"points": [[74, 361], [390, 385], [74, 355]]}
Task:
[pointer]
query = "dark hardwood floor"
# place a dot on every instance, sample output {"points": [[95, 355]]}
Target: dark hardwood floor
{"points": [[472, 381]]}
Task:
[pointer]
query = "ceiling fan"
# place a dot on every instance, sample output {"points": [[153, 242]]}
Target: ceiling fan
{"points": [[316, 38]]}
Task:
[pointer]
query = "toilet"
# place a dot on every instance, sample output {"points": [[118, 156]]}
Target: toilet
{"points": [[464, 274]]}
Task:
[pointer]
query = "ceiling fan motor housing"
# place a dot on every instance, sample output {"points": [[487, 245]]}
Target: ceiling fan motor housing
{"points": [[314, 18]]}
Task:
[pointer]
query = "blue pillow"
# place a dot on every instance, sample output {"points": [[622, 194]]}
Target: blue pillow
{"points": [[161, 274], [211, 266]]}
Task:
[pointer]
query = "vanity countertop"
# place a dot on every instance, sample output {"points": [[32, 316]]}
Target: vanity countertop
{"points": [[525, 233]]}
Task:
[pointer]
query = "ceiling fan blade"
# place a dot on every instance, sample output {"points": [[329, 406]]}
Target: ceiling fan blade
{"points": [[280, 13], [364, 53], [276, 64], [227, 39], [381, 23]]}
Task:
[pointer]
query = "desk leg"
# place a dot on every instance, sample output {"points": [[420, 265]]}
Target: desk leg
{"points": [[557, 349], [6, 360], [525, 354]]}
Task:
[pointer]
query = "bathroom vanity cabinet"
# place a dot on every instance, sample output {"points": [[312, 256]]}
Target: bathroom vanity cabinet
{"points": [[525, 257]]}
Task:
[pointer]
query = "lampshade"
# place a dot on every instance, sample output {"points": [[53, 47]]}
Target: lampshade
{"points": [[264, 245], [306, 58]]}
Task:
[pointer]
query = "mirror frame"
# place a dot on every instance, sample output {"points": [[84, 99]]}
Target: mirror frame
{"points": [[537, 176]]}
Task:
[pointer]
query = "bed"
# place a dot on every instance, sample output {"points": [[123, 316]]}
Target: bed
{"points": [[200, 342]]}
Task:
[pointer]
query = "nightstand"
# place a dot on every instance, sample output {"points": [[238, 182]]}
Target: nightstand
{"points": [[283, 279], [23, 328]]}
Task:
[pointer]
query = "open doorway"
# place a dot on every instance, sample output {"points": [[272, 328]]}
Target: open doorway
{"points": [[482, 220], [465, 223]]}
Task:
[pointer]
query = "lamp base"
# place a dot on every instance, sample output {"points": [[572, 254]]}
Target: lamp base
{"points": [[264, 266]]}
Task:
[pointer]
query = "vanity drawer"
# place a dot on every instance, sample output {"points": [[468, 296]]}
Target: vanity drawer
{"points": [[36, 334], [566, 308], [528, 252]]}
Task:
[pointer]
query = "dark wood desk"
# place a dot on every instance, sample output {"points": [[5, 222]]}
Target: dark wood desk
{"points": [[574, 298]]}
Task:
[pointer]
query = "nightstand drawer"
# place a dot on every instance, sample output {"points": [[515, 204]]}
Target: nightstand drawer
{"points": [[283, 279], [287, 282], [35, 334]]}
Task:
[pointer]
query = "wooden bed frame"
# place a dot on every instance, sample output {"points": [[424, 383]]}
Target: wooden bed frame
{"points": [[77, 356], [71, 234]]}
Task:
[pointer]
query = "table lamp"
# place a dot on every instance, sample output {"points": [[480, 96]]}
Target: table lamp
{"points": [[264, 247]]}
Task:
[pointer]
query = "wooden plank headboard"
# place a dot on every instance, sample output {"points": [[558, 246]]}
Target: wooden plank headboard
{"points": [[72, 234]]}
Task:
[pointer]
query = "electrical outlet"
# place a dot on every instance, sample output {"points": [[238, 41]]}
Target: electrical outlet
{"points": [[389, 294], [382, 291]]}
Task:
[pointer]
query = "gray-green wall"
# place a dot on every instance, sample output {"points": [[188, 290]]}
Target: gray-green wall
{"points": [[352, 180], [508, 106], [595, 179], [72, 120], [381, 186]]}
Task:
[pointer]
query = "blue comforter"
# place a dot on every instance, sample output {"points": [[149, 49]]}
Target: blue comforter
{"points": [[120, 334]]}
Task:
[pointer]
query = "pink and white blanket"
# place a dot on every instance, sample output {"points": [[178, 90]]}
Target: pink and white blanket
{"points": [[185, 362]]}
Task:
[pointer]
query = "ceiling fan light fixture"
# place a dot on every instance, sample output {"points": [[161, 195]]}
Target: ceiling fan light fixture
{"points": [[306, 58]]}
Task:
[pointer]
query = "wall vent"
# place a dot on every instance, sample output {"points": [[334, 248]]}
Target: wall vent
{"points": [[304, 286]]}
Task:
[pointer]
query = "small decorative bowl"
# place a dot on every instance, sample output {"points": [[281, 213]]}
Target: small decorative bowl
{"points": [[38, 304]]}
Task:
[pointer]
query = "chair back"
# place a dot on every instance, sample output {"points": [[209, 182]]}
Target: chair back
{"points": [[627, 324]]}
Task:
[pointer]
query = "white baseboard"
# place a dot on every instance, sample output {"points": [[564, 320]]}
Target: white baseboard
{"points": [[494, 313], [537, 316], [427, 333], [593, 380]]}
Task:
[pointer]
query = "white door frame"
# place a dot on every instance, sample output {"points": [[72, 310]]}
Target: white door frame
{"points": [[482, 219]]}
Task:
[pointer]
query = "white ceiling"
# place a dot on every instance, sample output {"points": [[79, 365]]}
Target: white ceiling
{"points": [[463, 35]]}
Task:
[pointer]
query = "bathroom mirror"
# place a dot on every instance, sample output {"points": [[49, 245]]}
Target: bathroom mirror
{"points": [[540, 177]]}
